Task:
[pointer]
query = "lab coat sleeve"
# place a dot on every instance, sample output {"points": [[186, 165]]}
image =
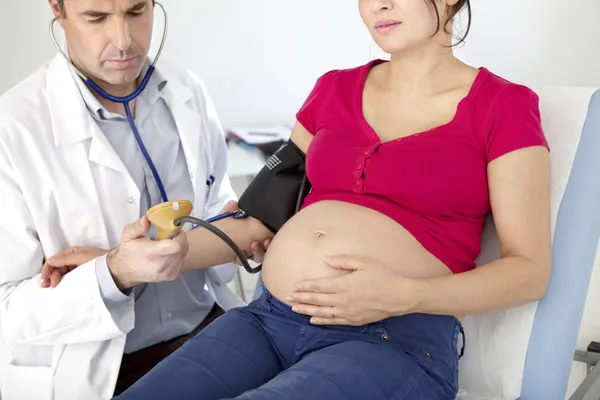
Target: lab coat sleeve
{"points": [[114, 299], [221, 191], [73, 312]]}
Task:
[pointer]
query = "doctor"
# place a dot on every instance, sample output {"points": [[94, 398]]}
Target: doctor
{"points": [[72, 174]]}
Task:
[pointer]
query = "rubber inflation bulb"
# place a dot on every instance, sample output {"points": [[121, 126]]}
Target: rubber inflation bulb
{"points": [[162, 217]]}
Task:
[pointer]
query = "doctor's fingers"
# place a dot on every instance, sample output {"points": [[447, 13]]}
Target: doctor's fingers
{"points": [[136, 230], [169, 247], [231, 206]]}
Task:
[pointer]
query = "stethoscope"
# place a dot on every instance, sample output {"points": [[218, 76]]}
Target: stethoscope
{"points": [[125, 100]]}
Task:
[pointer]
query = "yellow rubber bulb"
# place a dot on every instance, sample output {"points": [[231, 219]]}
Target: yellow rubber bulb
{"points": [[162, 217]]}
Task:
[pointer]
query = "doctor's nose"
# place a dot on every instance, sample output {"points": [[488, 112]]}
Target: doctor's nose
{"points": [[121, 38]]}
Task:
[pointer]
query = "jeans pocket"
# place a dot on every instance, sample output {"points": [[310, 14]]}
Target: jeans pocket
{"points": [[408, 346], [439, 363]]}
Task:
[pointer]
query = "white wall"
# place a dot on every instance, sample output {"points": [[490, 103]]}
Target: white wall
{"points": [[260, 58], [549, 42], [24, 41]]}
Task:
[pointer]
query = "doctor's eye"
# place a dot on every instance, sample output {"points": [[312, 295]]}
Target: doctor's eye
{"points": [[138, 10], [97, 20], [136, 13]]}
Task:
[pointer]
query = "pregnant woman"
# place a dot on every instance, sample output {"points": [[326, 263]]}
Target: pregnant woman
{"points": [[365, 287]]}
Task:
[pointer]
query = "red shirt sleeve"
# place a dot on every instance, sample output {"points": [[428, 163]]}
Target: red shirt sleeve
{"points": [[514, 122], [315, 104]]}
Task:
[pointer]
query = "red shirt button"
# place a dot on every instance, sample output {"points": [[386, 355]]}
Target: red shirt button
{"points": [[359, 166], [358, 182]]}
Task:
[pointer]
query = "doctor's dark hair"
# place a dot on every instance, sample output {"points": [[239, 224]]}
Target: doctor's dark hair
{"points": [[61, 7], [452, 12]]}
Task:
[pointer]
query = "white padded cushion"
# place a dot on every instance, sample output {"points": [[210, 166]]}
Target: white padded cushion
{"points": [[496, 344]]}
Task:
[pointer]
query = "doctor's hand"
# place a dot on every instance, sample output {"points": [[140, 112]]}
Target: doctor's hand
{"points": [[368, 292], [66, 261], [139, 259]]}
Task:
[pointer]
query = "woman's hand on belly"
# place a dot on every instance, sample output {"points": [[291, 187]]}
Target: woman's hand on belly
{"points": [[367, 293]]}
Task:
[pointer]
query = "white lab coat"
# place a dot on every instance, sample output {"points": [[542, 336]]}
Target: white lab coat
{"points": [[62, 185]]}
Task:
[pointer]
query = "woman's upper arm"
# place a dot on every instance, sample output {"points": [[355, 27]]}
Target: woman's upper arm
{"points": [[301, 137], [519, 175], [519, 185], [308, 118]]}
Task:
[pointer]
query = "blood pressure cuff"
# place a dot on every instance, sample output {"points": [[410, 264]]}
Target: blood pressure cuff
{"points": [[277, 192]]}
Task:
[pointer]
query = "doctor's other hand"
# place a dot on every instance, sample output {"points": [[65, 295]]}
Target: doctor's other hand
{"points": [[66, 261]]}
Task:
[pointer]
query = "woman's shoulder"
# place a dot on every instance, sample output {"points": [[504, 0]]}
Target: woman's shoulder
{"points": [[497, 90], [510, 115]]}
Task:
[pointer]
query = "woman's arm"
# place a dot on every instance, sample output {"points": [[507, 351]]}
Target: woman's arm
{"points": [[519, 184], [207, 250]]}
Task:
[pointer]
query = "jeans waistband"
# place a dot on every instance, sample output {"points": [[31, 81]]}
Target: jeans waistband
{"points": [[266, 299], [441, 331]]}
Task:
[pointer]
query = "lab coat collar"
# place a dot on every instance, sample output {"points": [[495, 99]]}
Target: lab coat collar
{"points": [[68, 112], [71, 119], [176, 91]]}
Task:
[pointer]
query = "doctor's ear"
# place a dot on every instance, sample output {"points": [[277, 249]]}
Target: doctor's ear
{"points": [[58, 8]]}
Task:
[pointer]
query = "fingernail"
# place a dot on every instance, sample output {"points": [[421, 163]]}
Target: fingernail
{"points": [[289, 298]]}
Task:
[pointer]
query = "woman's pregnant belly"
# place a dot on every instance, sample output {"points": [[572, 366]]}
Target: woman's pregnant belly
{"points": [[325, 228]]}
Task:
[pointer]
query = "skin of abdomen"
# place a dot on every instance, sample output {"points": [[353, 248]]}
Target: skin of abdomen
{"points": [[325, 228]]}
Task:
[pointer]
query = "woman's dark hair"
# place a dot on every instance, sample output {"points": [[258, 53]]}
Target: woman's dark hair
{"points": [[452, 12]]}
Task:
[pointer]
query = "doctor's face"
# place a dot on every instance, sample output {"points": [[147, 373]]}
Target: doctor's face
{"points": [[108, 40], [399, 25]]}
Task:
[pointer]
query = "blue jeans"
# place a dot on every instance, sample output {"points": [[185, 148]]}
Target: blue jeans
{"points": [[266, 351]]}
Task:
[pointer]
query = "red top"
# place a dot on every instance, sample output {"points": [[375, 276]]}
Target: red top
{"points": [[433, 183]]}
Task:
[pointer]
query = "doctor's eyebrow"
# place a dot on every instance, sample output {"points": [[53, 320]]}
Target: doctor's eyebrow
{"points": [[98, 14]]}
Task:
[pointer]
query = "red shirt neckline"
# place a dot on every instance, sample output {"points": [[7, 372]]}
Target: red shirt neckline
{"points": [[372, 134]]}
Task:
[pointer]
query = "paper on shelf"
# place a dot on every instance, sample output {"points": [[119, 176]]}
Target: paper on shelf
{"points": [[258, 136]]}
